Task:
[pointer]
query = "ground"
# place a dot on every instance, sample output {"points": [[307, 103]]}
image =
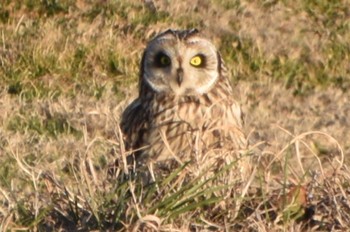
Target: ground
{"points": [[69, 68]]}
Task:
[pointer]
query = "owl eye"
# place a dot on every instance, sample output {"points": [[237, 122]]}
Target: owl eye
{"points": [[197, 61], [162, 60]]}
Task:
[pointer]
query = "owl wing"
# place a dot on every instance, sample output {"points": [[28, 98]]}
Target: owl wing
{"points": [[133, 124]]}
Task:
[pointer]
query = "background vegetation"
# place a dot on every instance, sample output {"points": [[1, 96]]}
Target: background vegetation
{"points": [[68, 69]]}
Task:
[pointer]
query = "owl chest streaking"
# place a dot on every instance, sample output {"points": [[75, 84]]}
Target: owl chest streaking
{"points": [[185, 104]]}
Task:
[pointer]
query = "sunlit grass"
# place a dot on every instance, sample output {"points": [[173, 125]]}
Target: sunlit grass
{"points": [[68, 69]]}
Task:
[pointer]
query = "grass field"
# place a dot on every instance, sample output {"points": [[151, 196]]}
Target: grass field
{"points": [[68, 69]]}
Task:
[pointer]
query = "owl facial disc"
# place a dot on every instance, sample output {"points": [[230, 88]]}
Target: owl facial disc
{"points": [[180, 63]]}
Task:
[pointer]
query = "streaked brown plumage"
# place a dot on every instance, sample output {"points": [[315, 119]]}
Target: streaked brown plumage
{"points": [[183, 108]]}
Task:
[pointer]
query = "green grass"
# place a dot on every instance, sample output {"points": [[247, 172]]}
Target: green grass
{"points": [[69, 68]]}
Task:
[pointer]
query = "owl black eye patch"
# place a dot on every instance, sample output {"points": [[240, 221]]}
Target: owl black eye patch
{"points": [[162, 60]]}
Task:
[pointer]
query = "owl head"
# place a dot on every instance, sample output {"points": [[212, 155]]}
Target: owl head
{"points": [[180, 63]]}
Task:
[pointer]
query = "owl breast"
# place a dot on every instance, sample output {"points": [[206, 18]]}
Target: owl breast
{"points": [[182, 127]]}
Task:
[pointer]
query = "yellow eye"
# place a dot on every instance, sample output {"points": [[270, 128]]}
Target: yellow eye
{"points": [[196, 61], [164, 60]]}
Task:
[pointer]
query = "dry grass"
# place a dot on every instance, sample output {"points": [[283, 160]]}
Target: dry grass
{"points": [[69, 68]]}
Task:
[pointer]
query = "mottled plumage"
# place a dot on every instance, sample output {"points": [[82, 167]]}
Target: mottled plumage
{"points": [[185, 104]]}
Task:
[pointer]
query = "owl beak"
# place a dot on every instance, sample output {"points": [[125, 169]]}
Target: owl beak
{"points": [[180, 76]]}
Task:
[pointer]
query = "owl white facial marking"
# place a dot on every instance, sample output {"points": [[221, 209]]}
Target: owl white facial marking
{"points": [[204, 88]]}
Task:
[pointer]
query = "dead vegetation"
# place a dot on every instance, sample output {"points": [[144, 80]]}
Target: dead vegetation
{"points": [[68, 69]]}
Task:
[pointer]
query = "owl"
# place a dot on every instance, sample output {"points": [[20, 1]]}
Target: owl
{"points": [[185, 105]]}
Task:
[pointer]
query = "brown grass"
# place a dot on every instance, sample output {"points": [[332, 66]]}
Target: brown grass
{"points": [[69, 68]]}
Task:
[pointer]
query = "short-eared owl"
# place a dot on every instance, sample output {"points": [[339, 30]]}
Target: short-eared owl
{"points": [[185, 103]]}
